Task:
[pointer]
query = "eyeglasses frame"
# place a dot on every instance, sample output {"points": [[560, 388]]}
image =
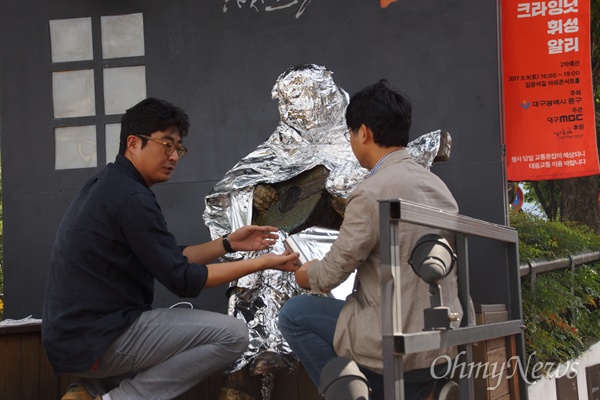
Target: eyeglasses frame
{"points": [[347, 134], [181, 150]]}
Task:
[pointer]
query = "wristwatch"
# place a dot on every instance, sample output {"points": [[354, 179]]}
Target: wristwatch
{"points": [[226, 244]]}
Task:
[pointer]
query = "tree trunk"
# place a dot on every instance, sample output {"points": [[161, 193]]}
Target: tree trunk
{"points": [[546, 192], [580, 202], [580, 195]]}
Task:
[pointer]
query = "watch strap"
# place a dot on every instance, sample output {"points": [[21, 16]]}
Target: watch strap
{"points": [[226, 244]]}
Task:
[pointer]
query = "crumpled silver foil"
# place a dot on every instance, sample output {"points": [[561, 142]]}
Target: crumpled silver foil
{"points": [[310, 133], [312, 243]]}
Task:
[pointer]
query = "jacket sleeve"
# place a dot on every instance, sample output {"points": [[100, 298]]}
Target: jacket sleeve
{"points": [[359, 235]]}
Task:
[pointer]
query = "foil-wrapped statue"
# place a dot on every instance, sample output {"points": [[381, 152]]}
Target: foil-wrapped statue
{"points": [[298, 179]]}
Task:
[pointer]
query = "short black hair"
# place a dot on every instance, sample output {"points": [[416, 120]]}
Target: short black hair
{"points": [[384, 110], [151, 115]]}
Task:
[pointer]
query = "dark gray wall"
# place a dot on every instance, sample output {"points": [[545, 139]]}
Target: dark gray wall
{"points": [[220, 67]]}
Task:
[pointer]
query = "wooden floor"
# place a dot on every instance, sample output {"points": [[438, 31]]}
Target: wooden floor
{"points": [[26, 374]]}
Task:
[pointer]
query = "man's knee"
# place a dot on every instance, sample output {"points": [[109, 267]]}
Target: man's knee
{"points": [[341, 378], [288, 312], [239, 334]]}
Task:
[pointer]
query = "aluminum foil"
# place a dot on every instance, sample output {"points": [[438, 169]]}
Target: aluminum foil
{"points": [[310, 133], [312, 243]]}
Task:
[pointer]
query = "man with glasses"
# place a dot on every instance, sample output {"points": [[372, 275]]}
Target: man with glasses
{"points": [[320, 328], [98, 322]]}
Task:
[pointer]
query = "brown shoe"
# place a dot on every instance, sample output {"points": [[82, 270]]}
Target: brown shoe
{"points": [[78, 392]]}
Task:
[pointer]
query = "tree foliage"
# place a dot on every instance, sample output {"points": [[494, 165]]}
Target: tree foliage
{"points": [[560, 308]]}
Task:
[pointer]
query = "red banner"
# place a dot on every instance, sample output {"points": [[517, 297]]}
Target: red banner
{"points": [[548, 100]]}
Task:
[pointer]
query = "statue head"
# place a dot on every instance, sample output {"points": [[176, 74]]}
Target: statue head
{"points": [[308, 98]]}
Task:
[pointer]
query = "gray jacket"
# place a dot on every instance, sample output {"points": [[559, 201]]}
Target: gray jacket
{"points": [[358, 332]]}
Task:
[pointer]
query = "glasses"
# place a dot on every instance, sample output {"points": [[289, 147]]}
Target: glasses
{"points": [[347, 134], [169, 147]]}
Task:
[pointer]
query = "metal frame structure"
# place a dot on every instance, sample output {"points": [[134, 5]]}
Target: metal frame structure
{"points": [[396, 343]]}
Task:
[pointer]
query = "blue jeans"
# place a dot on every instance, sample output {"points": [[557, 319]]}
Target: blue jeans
{"points": [[167, 352], [308, 325]]}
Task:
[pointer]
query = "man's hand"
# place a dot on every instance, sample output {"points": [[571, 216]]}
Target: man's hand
{"points": [[301, 275], [253, 238], [283, 262], [221, 273]]}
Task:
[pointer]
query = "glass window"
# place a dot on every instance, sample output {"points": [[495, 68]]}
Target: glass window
{"points": [[123, 88], [75, 147], [73, 93], [77, 122], [113, 135], [71, 39], [122, 36]]}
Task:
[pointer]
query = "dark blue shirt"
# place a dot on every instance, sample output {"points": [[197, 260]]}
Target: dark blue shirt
{"points": [[112, 243]]}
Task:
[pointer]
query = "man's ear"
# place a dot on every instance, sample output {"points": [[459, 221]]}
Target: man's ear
{"points": [[133, 142], [365, 134]]}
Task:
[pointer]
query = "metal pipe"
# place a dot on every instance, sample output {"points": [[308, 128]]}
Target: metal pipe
{"points": [[541, 265]]}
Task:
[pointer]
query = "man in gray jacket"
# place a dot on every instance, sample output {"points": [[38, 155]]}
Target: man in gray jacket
{"points": [[320, 328]]}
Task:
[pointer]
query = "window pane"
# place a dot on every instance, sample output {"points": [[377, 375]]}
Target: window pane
{"points": [[122, 36], [75, 147], [71, 39], [113, 135], [73, 93], [123, 87]]}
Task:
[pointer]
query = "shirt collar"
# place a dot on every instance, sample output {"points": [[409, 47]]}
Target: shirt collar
{"points": [[126, 164], [376, 167]]}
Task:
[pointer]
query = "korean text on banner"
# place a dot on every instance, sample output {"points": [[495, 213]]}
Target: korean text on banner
{"points": [[547, 86]]}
